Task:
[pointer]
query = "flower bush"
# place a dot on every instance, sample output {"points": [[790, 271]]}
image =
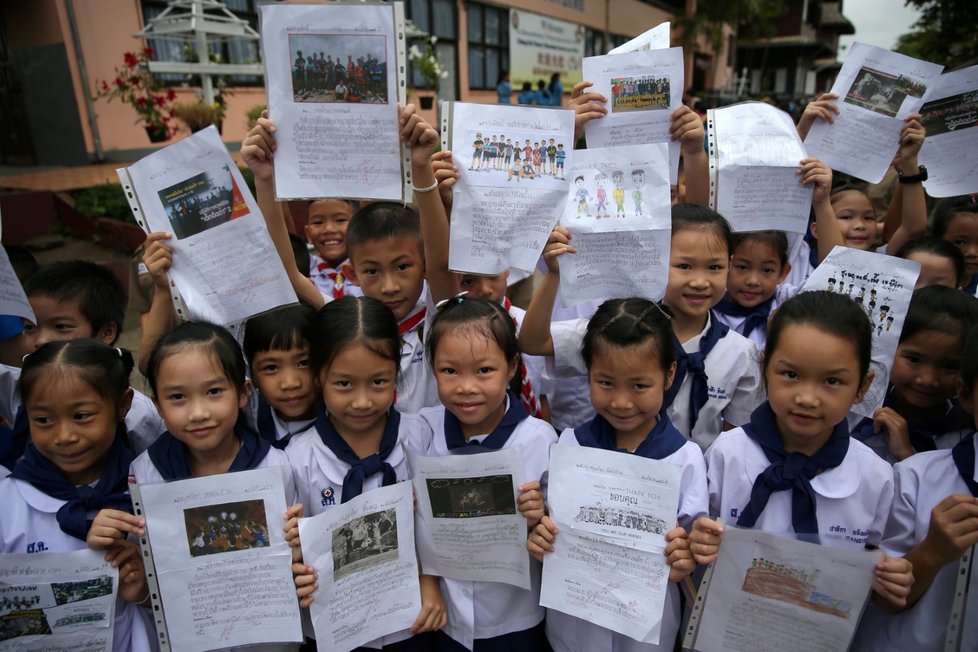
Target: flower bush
{"points": [[135, 85], [425, 61]]}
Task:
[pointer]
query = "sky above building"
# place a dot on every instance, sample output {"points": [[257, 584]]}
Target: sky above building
{"points": [[877, 22]]}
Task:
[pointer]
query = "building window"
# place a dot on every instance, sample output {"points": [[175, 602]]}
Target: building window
{"points": [[594, 42], [437, 18], [488, 44]]}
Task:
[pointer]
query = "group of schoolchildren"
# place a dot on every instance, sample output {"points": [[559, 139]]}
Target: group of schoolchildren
{"points": [[734, 376]]}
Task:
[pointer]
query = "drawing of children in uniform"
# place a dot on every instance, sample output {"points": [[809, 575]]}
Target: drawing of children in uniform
{"points": [[476, 152], [601, 208], [551, 157], [527, 152], [582, 198], [508, 155], [536, 157], [618, 178], [638, 180], [514, 165], [561, 156]]}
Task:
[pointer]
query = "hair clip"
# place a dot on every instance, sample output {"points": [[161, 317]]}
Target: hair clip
{"points": [[452, 301], [119, 351], [655, 306]]}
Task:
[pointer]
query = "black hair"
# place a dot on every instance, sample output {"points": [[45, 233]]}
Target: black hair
{"points": [[101, 299], [931, 244], [479, 316], [833, 313], [942, 309], [945, 209], [350, 320], [630, 322], [383, 221], [212, 337], [777, 240], [300, 251], [527, 86], [23, 261], [281, 329], [701, 218], [98, 365], [503, 74], [969, 361]]}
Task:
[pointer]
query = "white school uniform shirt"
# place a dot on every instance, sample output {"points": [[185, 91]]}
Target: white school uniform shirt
{"points": [[798, 255], [319, 476], [416, 387], [30, 525], [852, 500], [143, 421], [568, 633], [490, 609], [282, 428], [325, 284], [734, 387], [758, 336], [4, 472], [921, 482]]}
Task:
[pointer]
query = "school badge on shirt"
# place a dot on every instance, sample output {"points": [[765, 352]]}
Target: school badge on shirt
{"points": [[328, 497]]}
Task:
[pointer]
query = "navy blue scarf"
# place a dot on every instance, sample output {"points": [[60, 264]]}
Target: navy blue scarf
{"points": [[694, 365], [13, 440], [972, 285], [754, 317], [111, 491], [661, 442], [792, 471], [456, 442], [361, 469], [923, 432], [266, 426], [963, 455], [169, 454]]}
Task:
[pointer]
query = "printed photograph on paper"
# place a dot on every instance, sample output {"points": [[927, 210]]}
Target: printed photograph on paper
{"points": [[23, 623], [517, 158], [202, 202], [68, 592], [796, 586], [950, 114], [623, 517], [365, 542], [881, 92], [648, 93], [228, 527], [490, 495], [21, 598], [344, 68]]}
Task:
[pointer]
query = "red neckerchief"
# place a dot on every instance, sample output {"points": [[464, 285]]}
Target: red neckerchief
{"points": [[410, 322], [527, 396], [339, 288]]}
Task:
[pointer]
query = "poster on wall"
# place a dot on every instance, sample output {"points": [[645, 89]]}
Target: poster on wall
{"points": [[540, 46]]}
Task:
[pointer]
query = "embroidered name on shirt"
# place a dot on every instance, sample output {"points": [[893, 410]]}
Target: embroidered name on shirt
{"points": [[717, 392], [36, 546]]}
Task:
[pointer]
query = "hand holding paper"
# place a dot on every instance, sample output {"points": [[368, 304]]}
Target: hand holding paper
{"points": [[824, 109], [587, 105], [542, 538], [704, 540]]}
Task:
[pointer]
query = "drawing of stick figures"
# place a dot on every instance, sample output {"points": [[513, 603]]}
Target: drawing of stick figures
{"points": [[832, 284], [851, 285], [861, 296], [879, 329], [884, 310], [638, 180], [889, 322]]}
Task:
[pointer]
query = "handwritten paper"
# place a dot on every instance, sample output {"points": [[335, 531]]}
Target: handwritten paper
{"points": [[773, 593], [612, 512], [512, 164], [364, 553], [656, 38], [13, 301], [333, 86], [643, 89], [468, 527], [619, 215], [755, 153], [877, 89], [950, 117], [224, 263], [57, 602], [882, 285], [223, 566]]}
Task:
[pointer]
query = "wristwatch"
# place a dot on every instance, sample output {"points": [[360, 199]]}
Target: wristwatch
{"points": [[914, 178]]}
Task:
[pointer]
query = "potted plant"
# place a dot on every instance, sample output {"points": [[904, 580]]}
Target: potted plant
{"points": [[425, 61], [135, 85]]}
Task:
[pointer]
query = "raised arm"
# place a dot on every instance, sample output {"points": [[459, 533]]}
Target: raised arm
{"points": [[826, 229], [824, 108], [912, 203], [161, 317], [535, 337], [687, 128], [587, 106]]}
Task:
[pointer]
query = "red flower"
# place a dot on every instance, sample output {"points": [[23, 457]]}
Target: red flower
{"points": [[120, 83], [141, 102], [171, 95], [159, 100], [149, 52], [105, 86], [134, 81], [131, 60]]}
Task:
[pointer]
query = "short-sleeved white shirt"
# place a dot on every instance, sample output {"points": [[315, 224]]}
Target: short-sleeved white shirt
{"points": [[416, 388], [490, 609], [325, 284], [568, 633], [852, 500], [758, 336]]}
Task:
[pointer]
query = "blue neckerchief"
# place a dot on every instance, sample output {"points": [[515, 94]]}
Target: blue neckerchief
{"points": [[963, 455], [972, 285], [457, 444], [266, 426], [694, 365], [812, 246], [13, 441], [754, 317], [792, 471], [661, 442], [923, 432], [111, 491], [360, 469], [169, 454]]}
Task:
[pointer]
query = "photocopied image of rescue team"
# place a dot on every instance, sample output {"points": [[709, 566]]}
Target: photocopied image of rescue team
{"points": [[519, 158]]}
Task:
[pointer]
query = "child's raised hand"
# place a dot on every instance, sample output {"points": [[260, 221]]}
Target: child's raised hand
{"points": [[418, 135], [111, 527], [953, 528], [893, 580], [433, 615], [132, 574], [557, 245], [530, 502], [821, 109], [542, 538], [687, 128], [587, 106], [678, 554], [894, 428], [819, 174], [306, 583], [258, 148], [291, 529], [704, 540], [446, 174], [911, 140], [158, 258]]}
